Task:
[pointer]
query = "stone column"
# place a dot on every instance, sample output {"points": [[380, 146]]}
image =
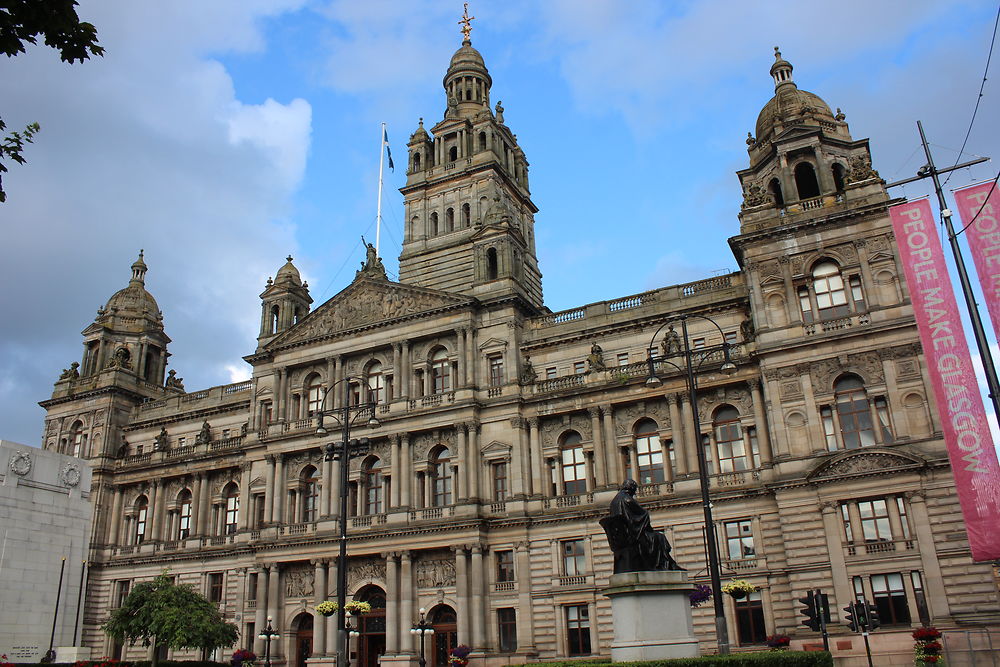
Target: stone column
{"points": [[462, 593], [464, 463], [205, 511], [273, 604], [611, 444], [525, 615], [326, 489], [833, 530], [470, 352], [677, 435], [760, 417], [406, 493], [279, 489], [793, 312], [335, 490], [154, 510], [269, 489], [391, 603], [867, 283], [246, 507], [395, 458], [478, 609], [460, 349], [280, 399], [319, 595], [535, 451], [934, 591], [475, 465], [338, 373], [691, 440], [600, 459], [812, 411], [406, 598], [260, 615], [405, 374], [116, 516], [518, 456]]}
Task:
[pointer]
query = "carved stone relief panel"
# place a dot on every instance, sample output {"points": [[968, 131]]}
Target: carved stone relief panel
{"points": [[435, 572], [735, 396], [552, 428], [626, 416], [299, 581], [367, 570]]}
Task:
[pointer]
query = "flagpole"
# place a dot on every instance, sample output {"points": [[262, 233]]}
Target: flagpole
{"points": [[378, 215]]}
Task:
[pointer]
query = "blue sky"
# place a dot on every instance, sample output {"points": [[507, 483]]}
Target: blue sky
{"points": [[223, 136]]}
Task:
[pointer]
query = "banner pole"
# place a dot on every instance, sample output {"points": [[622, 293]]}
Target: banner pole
{"points": [[963, 276]]}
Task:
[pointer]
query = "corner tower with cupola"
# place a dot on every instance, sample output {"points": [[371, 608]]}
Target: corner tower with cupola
{"points": [[469, 215], [284, 301]]}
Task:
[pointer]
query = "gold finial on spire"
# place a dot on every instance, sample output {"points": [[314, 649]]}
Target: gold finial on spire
{"points": [[466, 22]]}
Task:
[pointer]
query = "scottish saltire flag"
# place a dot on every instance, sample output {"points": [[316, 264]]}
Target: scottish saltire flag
{"points": [[388, 152]]}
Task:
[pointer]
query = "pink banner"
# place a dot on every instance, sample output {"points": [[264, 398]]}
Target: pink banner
{"points": [[966, 432], [984, 240]]}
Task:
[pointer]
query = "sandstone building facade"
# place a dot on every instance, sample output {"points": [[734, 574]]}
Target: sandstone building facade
{"points": [[504, 428]]}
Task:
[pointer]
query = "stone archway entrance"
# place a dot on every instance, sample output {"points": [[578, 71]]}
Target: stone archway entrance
{"points": [[371, 626], [303, 625], [445, 637]]}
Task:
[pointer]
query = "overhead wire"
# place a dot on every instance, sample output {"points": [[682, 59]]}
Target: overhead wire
{"points": [[979, 99], [986, 200]]}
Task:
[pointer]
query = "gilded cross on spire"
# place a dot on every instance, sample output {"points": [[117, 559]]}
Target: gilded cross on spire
{"points": [[466, 22]]}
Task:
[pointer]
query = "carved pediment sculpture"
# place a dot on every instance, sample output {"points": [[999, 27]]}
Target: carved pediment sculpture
{"points": [[864, 462], [367, 302]]}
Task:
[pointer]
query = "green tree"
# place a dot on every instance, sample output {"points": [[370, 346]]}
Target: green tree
{"points": [[22, 22], [163, 614]]}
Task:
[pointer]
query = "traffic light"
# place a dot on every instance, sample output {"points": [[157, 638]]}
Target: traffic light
{"points": [[849, 617], [808, 610], [873, 619]]}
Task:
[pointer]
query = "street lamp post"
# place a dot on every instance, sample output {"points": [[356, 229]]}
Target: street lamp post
{"points": [[268, 635], [728, 368], [345, 416], [422, 629]]}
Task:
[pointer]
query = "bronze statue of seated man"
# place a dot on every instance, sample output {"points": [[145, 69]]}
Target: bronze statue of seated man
{"points": [[636, 546]]}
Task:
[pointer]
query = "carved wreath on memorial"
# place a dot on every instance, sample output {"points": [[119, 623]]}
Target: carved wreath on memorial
{"points": [[70, 475], [20, 463]]}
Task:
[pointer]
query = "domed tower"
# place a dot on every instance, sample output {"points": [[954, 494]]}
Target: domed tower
{"points": [[124, 363], [803, 160], [284, 302], [470, 225]]}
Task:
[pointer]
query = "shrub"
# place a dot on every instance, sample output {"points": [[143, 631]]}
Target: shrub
{"points": [[757, 659]]}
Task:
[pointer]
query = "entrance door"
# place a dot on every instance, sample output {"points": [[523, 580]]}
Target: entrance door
{"points": [[303, 639], [371, 642], [445, 637]]}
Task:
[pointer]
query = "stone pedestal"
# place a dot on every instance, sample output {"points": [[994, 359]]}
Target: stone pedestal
{"points": [[72, 653], [652, 616]]}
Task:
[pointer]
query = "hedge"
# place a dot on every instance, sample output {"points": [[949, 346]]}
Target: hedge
{"points": [[756, 659], [124, 663]]}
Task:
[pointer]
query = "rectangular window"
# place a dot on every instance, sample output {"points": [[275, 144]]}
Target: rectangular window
{"points": [[265, 413], [578, 630], [649, 455], [901, 506], [829, 429], [730, 337], [579, 368], [805, 305], [496, 370], [500, 481], [875, 520], [623, 358], [121, 592], [890, 599], [505, 565], [739, 539], [259, 509], [846, 516], [550, 372], [856, 294], [921, 598], [573, 561], [754, 446], [252, 586], [697, 343], [706, 443], [882, 410], [250, 635], [181, 441], [215, 587], [507, 629], [859, 588], [627, 463]]}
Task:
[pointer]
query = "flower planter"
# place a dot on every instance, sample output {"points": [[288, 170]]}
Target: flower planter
{"points": [[738, 595]]}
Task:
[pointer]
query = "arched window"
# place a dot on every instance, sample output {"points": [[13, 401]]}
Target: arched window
{"points": [[828, 285], [805, 181], [309, 487], [574, 466], [434, 224], [314, 393], [649, 453], [441, 480], [184, 515], [141, 511], [449, 220], [774, 187], [453, 153], [466, 215], [231, 507], [78, 439], [416, 162], [491, 264], [440, 372], [838, 176], [371, 485], [729, 440], [376, 383], [275, 311], [482, 141], [853, 412]]}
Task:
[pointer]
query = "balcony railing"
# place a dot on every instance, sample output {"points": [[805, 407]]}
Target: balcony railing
{"points": [[568, 501], [502, 586], [880, 547], [838, 324], [575, 580]]}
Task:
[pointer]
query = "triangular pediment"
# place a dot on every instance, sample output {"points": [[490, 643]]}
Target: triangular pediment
{"points": [[863, 463], [369, 302], [772, 280], [496, 449]]}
